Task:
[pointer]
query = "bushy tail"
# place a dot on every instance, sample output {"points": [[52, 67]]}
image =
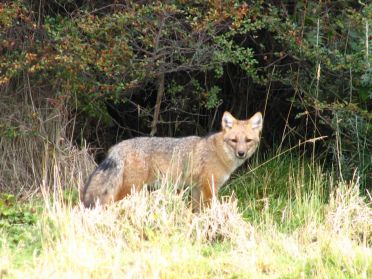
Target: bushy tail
{"points": [[104, 183]]}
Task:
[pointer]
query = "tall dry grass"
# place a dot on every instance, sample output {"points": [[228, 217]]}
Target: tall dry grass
{"points": [[155, 235], [36, 147]]}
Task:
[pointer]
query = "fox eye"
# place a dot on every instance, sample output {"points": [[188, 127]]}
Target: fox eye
{"points": [[248, 140], [234, 140]]}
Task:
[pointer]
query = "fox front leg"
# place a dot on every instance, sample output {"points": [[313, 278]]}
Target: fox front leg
{"points": [[196, 199], [203, 195]]}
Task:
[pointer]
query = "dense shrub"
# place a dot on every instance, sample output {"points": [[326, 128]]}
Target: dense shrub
{"points": [[306, 64]]}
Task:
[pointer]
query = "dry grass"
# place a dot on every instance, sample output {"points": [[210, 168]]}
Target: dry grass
{"points": [[155, 235], [36, 149]]}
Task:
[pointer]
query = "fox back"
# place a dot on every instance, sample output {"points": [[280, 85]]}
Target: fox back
{"points": [[204, 163]]}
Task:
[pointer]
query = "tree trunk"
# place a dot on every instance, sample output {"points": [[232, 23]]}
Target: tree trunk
{"points": [[159, 97]]}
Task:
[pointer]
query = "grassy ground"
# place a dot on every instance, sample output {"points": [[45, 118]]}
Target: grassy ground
{"points": [[291, 219]]}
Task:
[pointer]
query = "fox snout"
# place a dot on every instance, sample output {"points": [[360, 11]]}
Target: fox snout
{"points": [[241, 149], [241, 154]]}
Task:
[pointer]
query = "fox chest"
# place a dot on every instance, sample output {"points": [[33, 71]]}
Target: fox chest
{"points": [[224, 178], [218, 180]]}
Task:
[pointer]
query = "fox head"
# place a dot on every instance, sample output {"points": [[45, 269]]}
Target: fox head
{"points": [[241, 137]]}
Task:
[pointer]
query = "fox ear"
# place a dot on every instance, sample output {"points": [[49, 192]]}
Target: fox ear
{"points": [[227, 120], [256, 121]]}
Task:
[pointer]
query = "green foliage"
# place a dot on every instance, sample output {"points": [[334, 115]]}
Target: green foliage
{"points": [[100, 57], [212, 98], [230, 52], [16, 221]]}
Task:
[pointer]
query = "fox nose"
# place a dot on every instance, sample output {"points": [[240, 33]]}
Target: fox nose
{"points": [[241, 154]]}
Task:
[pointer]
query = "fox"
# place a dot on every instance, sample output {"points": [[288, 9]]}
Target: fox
{"points": [[203, 163]]}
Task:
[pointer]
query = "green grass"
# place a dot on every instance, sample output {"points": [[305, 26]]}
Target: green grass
{"points": [[287, 191], [19, 230], [291, 220]]}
